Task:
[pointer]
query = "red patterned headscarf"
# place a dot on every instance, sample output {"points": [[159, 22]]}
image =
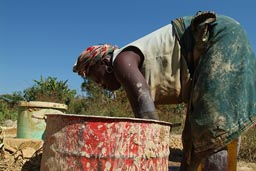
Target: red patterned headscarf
{"points": [[90, 57]]}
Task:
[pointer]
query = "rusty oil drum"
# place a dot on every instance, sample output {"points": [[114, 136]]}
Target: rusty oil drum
{"points": [[31, 117], [93, 143]]}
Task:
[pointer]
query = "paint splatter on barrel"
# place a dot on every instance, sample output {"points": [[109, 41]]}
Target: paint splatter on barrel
{"points": [[78, 142]]}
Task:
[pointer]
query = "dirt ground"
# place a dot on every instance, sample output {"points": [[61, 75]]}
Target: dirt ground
{"points": [[26, 158], [175, 156], [15, 162]]}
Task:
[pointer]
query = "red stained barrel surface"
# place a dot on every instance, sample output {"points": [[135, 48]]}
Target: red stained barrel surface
{"points": [[91, 143]]}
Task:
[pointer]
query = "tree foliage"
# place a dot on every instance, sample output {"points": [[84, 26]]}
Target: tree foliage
{"points": [[45, 89], [49, 89], [9, 106]]}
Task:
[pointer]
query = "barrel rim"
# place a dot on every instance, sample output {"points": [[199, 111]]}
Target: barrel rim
{"points": [[111, 118], [43, 104]]}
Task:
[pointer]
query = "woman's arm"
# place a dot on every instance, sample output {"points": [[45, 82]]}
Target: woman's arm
{"points": [[126, 70]]}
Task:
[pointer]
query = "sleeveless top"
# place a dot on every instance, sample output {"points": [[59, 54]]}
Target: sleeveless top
{"points": [[163, 69]]}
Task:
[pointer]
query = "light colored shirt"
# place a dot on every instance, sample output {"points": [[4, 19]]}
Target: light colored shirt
{"points": [[162, 65]]}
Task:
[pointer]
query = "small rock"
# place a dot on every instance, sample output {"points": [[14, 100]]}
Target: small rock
{"points": [[28, 152]]}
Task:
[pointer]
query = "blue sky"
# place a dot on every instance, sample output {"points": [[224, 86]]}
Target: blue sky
{"points": [[44, 37]]}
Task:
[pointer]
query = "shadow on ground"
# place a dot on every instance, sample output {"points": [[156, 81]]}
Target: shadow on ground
{"points": [[175, 158]]}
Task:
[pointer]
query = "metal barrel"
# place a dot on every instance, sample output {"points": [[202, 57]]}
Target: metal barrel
{"points": [[93, 143], [31, 118]]}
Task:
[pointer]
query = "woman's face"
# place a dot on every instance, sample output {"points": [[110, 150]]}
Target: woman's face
{"points": [[106, 80]]}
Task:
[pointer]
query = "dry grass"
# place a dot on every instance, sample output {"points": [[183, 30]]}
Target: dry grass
{"points": [[248, 146]]}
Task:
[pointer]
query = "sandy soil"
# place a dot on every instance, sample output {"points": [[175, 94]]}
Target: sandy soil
{"points": [[245, 166]]}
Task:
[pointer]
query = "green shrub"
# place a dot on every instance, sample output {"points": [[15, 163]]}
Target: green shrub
{"points": [[7, 112], [9, 107], [50, 90]]}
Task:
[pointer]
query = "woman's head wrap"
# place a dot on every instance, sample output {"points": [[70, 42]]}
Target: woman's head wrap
{"points": [[90, 57]]}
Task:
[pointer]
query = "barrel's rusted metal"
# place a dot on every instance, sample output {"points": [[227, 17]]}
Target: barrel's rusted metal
{"points": [[31, 118], [77, 142]]}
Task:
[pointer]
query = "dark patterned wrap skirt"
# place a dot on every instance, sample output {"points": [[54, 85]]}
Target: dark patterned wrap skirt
{"points": [[223, 94]]}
